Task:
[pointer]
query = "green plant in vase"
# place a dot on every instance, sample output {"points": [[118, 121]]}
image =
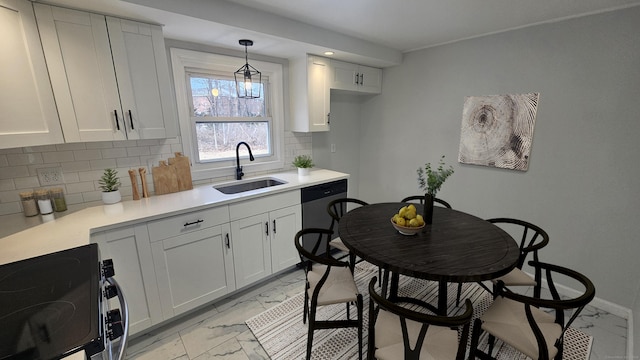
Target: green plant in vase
{"points": [[110, 185], [430, 180], [303, 163]]}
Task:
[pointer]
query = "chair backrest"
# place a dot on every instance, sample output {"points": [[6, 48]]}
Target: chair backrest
{"points": [[412, 351], [338, 207], [420, 199], [532, 238], [555, 303], [311, 252]]}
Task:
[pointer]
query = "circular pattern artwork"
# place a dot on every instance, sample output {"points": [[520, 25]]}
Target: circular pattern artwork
{"points": [[497, 130]]}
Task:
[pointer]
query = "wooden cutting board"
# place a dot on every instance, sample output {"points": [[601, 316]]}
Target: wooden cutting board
{"points": [[165, 179], [183, 171]]}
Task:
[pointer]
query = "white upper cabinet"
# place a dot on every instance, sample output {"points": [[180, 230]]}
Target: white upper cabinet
{"points": [[28, 115], [110, 77], [310, 97], [358, 78]]}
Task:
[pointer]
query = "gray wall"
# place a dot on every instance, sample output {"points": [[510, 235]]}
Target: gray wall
{"points": [[344, 130], [582, 183]]}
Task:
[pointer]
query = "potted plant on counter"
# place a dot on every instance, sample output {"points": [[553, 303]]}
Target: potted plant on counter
{"points": [[110, 185], [304, 163], [431, 180]]}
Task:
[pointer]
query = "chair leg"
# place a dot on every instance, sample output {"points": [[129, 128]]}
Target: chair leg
{"points": [[306, 307], [491, 341], [312, 323], [475, 336], [379, 277], [458, 294], [360, 322]]}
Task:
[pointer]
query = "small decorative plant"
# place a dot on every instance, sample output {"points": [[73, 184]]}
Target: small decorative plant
{"points": [[109, 181], [303, 161], [431, 180]]}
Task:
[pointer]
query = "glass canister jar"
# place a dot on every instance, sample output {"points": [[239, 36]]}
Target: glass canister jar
{"points": [[28, 203], [58, 200], [44, 202]]}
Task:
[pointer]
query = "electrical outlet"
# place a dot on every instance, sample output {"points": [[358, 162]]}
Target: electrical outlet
{"points": [[50, 176]]}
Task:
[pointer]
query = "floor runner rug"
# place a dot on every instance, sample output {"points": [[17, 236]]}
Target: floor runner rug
{"points": [[282, 334]]}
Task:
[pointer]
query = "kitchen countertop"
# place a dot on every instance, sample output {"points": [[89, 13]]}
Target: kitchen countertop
{"points": [[75, 229]]}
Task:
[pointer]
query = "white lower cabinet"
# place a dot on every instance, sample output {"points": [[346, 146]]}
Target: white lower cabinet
{"points": [[262, 240], [130, 250], [193, 269], [251, 250], [285, 224], [177, 263]]}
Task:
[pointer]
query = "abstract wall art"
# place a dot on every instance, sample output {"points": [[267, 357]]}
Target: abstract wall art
{"points": [[497, 130]]}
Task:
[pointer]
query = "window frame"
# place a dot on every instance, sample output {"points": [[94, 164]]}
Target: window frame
{"points": [[189, 61]]}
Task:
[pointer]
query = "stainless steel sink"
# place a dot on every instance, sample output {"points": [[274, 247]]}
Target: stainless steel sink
{"points": [[248, 186]]}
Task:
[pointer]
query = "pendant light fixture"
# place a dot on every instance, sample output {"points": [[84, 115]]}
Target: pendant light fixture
{"points": [[247, 76]]}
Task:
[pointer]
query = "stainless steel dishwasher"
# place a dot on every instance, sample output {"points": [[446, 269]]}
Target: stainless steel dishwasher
{"points": [[314, 207]]}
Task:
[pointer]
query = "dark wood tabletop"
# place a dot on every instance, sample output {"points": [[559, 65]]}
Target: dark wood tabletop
{"points": [[457, 247]]}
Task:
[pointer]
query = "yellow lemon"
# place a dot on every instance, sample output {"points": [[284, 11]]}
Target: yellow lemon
{"points": [[414, 222], [400, 221], [410, 214], [411, 207], [420, 220], [402, 211]]}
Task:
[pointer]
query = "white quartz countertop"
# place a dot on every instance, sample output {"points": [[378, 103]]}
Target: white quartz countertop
{"points": [[74, 229]]}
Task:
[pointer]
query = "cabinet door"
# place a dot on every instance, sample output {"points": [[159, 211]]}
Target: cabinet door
{"points": [[251, 249], [285, 223], [343, 76], [28, 115], [130, 251], [76, 47], [193, 269], [370, 80], [140, 62], [318, 93]]}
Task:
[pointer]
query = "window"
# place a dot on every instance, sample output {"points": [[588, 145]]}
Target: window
{"points": [[213, 120], [221, 120]]}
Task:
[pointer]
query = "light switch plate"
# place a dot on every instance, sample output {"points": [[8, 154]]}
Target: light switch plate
{"points": [[50, 176]]}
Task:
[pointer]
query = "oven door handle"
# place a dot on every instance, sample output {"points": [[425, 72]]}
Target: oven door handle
{"points": [[124, 313]]}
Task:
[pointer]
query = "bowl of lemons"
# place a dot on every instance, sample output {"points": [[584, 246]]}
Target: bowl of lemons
{"points": [[407, 221]]}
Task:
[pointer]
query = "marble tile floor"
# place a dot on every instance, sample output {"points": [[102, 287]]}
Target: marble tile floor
{"points": [[218, 331]]}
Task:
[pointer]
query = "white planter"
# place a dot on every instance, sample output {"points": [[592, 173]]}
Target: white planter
{"points": [[111, 197], [304, 171]]}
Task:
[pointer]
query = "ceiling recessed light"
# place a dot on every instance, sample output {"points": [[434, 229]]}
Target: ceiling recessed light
{"points": [[328, 53]]}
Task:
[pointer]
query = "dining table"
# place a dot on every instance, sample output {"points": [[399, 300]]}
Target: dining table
{"points": [[456, 247]]}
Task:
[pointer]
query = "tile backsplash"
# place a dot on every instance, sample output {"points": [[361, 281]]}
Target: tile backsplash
{"points": [[82, 165]]}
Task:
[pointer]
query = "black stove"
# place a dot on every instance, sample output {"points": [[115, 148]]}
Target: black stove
{"points": [[51, 305]]}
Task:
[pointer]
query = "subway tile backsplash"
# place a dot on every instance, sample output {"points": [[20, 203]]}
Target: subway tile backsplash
{"points": [[83, 163]]}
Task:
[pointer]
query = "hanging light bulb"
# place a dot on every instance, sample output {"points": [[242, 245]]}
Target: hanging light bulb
{"points": [[247, 74]]}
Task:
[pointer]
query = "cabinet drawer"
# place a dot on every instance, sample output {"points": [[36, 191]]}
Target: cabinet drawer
{"points": [[263, 205], [186, 223]]}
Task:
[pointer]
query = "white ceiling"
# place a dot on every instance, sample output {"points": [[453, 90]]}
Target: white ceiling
{"points": [[374, 32]]}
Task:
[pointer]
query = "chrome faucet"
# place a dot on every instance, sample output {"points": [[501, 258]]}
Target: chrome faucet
{"points": [[239, 172]]}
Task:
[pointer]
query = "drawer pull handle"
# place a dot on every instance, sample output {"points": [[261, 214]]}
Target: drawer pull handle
{"points": [[266, 228], [226, 241], [274, 226], [193, 223]]}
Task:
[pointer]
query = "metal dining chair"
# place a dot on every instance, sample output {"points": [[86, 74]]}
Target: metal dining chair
{"points": [[395, 332], [328, 281], [336, 209], [534, 326]]}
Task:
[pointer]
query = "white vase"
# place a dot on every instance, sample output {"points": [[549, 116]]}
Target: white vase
{"points": [[111, 197], [303, 171]]}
